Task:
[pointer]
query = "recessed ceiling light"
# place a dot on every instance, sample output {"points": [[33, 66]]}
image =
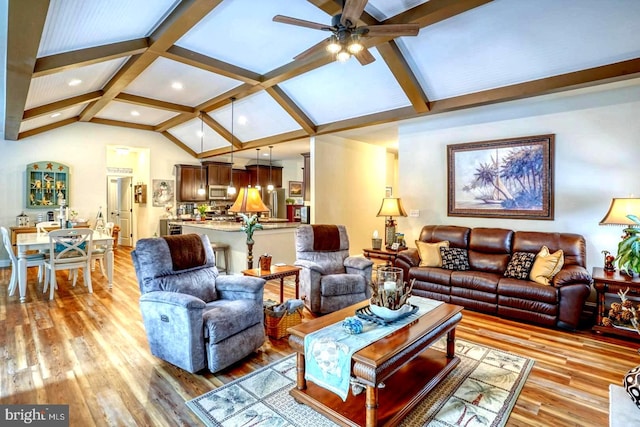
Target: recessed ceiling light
{"points": [[135, 113], [242, 120], [199, 134], [176, 85], [54, 115], [74, 82]]}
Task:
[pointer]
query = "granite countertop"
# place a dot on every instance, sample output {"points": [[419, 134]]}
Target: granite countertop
{"points": [[233, 225]]}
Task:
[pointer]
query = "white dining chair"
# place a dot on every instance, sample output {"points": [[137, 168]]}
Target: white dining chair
{"points": [[33, 260], [69, 249], [44, 226], [98, 252]]}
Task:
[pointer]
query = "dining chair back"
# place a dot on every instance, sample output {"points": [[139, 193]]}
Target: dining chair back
{"points": [[44, 226], [98, 252], [69, 249], [33, 260]]}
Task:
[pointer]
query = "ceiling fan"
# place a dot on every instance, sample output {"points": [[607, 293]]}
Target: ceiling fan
{"points": [[346, 38]]}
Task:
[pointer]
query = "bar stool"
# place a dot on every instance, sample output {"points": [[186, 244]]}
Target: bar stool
{"points": [[224, 248]]}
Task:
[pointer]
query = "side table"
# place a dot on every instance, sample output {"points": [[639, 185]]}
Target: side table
{"points": [[610, 282], [277, 272], [383, 254]]}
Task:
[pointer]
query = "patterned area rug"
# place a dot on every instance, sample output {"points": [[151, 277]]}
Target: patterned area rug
{"points": [[480, 391]]}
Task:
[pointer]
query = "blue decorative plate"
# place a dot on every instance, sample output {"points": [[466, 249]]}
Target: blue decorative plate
{"points": [[366, 314]]}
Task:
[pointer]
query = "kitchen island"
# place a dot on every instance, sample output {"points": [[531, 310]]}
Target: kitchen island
{"points": [[276, 239]]}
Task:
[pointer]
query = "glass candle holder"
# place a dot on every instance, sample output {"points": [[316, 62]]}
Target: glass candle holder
{"points": [[389, 282]]}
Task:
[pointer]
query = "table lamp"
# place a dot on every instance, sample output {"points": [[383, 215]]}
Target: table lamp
{"points": [[249, 202], [618, 213], [391, 206]]}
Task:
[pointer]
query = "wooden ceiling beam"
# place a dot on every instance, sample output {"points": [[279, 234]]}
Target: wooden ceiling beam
{"points": [[207, 63], [179, 143], [404, 75], [434, 11], [180, 21], [25, 22], [221, 130], [81, 58], [46, 128], [292, 109], [154, 103], [120, 123], [61, 105]]}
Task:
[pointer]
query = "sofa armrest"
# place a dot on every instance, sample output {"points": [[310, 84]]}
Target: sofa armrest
{"points": [[173, 298], [410, 257], [235, 286], [309, 265], [572, 274], [357, 263]]}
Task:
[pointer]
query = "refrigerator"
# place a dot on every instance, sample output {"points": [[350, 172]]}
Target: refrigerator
{"points": [[275, 201]]}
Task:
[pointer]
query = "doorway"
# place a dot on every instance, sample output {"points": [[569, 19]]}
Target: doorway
{"points": [[119, 206]]}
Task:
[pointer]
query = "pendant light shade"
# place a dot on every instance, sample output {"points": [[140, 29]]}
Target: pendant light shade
{"points": [[270, 186], [201, 190], [231, 190], [258, 187]]}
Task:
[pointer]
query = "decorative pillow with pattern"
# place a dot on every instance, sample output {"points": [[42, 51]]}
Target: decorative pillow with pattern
{"points": [[520, 265], [454, 259]]}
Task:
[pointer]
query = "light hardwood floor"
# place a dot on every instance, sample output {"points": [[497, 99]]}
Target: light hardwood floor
{"points": [[90, 351]]}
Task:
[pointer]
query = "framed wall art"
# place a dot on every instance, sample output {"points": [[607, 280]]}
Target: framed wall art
{"points": [[163, 192], [506, 178], [295, 188]]}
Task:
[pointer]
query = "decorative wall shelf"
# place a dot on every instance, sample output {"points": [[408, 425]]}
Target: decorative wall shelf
{"points": [[140, 193], [47, 185]]}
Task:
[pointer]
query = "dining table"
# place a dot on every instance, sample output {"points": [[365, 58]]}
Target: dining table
{"points": [[27, 242]]}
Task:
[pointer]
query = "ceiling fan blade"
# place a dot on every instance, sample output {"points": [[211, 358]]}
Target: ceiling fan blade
{"points": [[364, 57], [313, 50], [301, 23], [395, 30], [351, 11]]}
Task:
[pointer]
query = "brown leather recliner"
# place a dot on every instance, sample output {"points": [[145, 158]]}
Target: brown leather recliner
{"points": [[484, 288]]}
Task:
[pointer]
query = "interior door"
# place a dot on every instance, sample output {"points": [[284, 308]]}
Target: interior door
{"points": [[119, 207]]}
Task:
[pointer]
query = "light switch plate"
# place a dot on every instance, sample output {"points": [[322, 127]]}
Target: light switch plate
{"points": [[414, 213]]}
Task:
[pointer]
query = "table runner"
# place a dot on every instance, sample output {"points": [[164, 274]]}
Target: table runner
{"points": [[328, 351]]}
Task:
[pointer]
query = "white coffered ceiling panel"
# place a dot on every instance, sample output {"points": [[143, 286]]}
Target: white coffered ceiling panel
{"points": [[59, 115], [257, 116], [54, 87], [125, 112], [197, 85], [497, 44], [76, 24], [385, 9], [251, 39], [339, 91], [189, 134]]}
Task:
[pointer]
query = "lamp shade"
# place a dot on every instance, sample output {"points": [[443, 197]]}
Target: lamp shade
{"points": [[248, 201], [618, 211], [391, 206]]}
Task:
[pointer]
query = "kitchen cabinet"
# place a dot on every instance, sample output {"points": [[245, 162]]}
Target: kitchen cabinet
{"points": [[261, 175], [218, 173], [241, 178], [306, 177], [189, 179], [47, 185]]}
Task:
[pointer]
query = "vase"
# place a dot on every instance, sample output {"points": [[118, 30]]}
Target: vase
{"points": [[631, 384], [388, 314]]}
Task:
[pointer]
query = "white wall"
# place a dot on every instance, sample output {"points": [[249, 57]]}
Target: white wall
{"points": [[348, 186], [597, 152], [83, 147]]}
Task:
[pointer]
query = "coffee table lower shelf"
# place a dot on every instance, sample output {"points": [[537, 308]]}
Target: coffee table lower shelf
{"points": [[402, 392]]}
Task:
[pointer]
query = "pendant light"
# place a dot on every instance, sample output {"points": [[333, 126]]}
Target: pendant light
{"points": [[270, 186], [201, 191], [231, 190], [258, 170]]}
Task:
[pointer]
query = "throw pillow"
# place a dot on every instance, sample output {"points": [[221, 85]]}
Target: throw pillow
{"points": [[546, 266], [520, 265], [454, 259], [430, 253]]}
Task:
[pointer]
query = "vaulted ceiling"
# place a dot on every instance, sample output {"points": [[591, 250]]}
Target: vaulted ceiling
{"points": [[174, 67]]}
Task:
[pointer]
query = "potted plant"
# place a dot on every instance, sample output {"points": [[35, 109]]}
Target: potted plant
{"points": [[289, 201], [628, 258]]}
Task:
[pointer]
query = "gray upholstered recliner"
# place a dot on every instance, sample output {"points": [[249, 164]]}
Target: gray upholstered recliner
{"points": [[195, 318], [330, 279]]}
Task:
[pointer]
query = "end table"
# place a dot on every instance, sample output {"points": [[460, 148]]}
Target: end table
{"points": [[610, 282]]}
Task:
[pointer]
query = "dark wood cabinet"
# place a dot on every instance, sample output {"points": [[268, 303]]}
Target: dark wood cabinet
{"points": [[261, 175], [306, 177], [189, 179], [241, 178], [218, 173], [293, 213]]}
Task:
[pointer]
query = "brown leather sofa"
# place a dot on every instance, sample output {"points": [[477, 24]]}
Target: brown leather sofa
{"points": [[484, 288]]}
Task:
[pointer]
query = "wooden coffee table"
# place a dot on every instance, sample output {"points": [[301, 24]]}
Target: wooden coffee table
{"points": [[402, 361], [277, 272]]}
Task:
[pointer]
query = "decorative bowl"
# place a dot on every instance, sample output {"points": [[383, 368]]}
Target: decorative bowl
{"points": [[387, 313]]}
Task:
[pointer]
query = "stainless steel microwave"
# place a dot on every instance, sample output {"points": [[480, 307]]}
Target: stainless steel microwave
{"points": [[218, 192]]}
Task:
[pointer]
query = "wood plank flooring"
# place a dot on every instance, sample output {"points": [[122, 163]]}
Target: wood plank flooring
{"points": [[90, 351]]}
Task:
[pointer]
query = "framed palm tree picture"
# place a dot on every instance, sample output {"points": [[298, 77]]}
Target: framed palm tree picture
{"points": [[506, 178]]}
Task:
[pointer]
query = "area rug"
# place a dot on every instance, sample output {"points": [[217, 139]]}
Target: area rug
{"points": [[480, 391]]}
